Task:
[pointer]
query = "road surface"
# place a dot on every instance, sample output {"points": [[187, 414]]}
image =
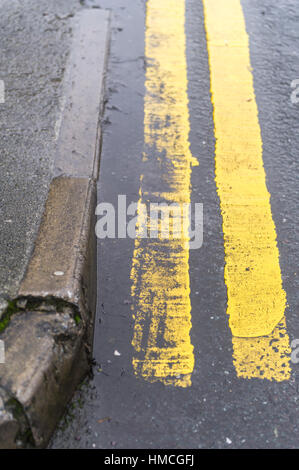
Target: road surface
{"points": [[196, 348]]}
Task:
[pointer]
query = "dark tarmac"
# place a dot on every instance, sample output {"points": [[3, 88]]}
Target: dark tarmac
{"points": [[116, 409]]}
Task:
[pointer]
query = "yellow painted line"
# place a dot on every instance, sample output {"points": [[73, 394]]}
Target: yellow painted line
{"points": [[160, 268], [264, 357], [256, 299]]}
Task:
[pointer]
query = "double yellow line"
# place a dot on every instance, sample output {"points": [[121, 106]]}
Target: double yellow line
{"points": [[160, 270]]}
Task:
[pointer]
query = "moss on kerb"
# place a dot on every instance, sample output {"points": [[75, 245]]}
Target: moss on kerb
{"points": [[24, 437], [50, 304], [10, 310]]}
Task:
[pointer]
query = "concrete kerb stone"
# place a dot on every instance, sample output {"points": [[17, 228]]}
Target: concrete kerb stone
{"points": [[48, 336]]}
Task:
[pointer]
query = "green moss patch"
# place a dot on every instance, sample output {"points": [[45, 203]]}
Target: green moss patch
{"points": [[5, 319]]}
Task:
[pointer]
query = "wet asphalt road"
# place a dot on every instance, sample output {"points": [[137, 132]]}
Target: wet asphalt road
{"points": [[220, 410]]}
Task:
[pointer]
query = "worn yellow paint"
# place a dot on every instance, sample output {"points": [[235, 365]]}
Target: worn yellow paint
{"points": [[265, 357], [256, 299], [160, 268]]}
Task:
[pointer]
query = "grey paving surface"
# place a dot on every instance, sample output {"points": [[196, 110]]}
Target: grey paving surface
{"points": [[116, 410], [35, 38]]}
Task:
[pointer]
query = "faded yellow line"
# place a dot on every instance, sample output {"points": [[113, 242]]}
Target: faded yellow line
{"points": [[256, 299], [160, 268], [264, 357]]}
